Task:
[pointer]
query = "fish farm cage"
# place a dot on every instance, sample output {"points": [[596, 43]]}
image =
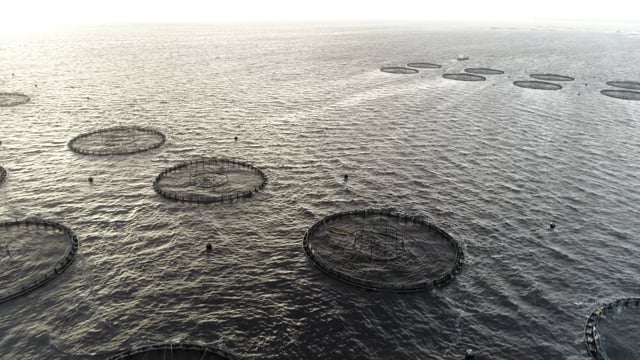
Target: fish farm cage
{"points": [[611, 331], [12, 99], [463, 77], [398, 70], [483, 71], [424, 65], [537, 85], [3, 174], [551, 77], [58, 257], [210, 180], [117, 140], [175, 351], [621, 94], [626, 84], [383, 250]]}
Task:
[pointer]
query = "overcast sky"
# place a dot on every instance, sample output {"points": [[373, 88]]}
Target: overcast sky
{"points": [[17, 14]]}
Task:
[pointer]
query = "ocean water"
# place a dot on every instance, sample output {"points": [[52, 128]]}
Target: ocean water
{"points": [[491, 163]]}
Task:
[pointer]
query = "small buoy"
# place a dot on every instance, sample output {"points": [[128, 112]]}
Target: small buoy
{"points": [[585, 84], [235, 138], [35, 85], [12, 74], [469, 355], [552, 226], [209, 247], [346, 177], [90, 179]]}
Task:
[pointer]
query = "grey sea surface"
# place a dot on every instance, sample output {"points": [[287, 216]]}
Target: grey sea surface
{"points": [[491, 163]]}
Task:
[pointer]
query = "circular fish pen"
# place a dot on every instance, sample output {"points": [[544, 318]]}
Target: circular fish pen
{"points": [[383, 250], [464, 77], [551, 77], [13, 99], [629, 85], [611, 331], [175, 351], [3, 174], [622, 94], [538, 85], [210, 180], [424, 65], [398, 70], [483, 71], [34, 251], [118, 140]]}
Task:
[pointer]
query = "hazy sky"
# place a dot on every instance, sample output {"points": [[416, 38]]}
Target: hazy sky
{"points": [[17, 14]]}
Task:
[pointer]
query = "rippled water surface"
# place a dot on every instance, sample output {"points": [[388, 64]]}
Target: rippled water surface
{"points": [[491, 163]]}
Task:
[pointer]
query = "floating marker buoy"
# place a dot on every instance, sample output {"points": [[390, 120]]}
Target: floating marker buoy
{"points": [[552, 226], [346, 177], [209, 247], [235, 138], [90, 180], [469, 355]]}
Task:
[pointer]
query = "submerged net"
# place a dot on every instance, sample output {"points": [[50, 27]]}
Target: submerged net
{"points": [[483, 71], [424, 65], [117, 140], [3, 174], [622, 94], [210, 180], [630, 85], [538, 85], [551, 77], [33, 252], [464, 77], [611, 332], [13, 99], [175, 351], [398, 70], [383, 250]]}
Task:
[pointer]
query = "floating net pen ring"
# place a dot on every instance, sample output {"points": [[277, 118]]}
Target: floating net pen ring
{"points": [[117, 140], [12, 99], [463, 77], [537, 85], [383, 250], [625, 84], [551, 77], [175, 351], [483, 71], [59, 266], [424, 65], [398, 70], [622, 94], [592, 332], [210, 180]]}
